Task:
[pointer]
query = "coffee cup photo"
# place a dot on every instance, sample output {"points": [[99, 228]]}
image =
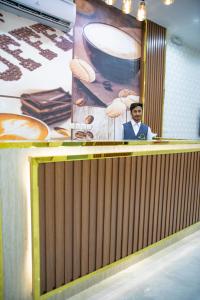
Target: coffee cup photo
{"points": [[22, 127]]}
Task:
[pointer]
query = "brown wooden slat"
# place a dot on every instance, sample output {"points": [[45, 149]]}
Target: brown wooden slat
{"points": [[100, 213], [175, 181], [165, 196], [169, 194], [50, 226], [148, 202], [192, 190], [137, 204], [127, 182], [197, 195], [158, 228], [59, 223], [153, 209], [68, 238], [120, 197], [93, 216], [85, 217], [132, 205], [177, 224], [156, 201], [41, 184], [187, 190], [195, 184], [115, 170], [107, 212], [196, 187], [77, 188], [183, 202], [142, 203]]}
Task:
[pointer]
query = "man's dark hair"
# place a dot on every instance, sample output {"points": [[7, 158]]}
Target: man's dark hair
{"points": [[134, 105]]}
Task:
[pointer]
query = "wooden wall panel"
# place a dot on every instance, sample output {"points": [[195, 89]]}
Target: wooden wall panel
{"points": [[60, 223], [93, 213], [85, 218], [113, 233], [50, 254], [153, 74], [69, 207]]}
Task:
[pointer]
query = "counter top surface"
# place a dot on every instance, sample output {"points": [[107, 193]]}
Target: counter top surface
{"points": [[50, 151], [115, 150]]}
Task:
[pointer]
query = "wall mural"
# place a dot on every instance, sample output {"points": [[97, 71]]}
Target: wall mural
{"points": [[77, 85]]}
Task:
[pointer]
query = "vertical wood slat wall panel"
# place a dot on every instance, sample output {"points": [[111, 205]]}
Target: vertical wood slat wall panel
{"points": [[59, 223], [77, 186], [126, 200], [197, 193], [154, 209], [107, 213], [153, 91], [149, 200], [120, 187], [100, 213], [92, 215], [50, 226], [137, 203], [95, 212], [85, 217], [69, 204], [115, 170], [132, 205]]}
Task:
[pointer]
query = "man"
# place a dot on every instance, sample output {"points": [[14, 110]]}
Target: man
{"points": [[134, 129]]}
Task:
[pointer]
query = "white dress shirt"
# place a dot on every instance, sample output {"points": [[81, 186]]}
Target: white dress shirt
{"points": [[136, 127]]}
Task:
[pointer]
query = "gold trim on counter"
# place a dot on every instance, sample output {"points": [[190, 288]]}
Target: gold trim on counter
{"points": [[35, 230], [56, 143]]}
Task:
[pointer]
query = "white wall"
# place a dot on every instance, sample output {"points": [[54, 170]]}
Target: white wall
{"points": [[182, 92]]}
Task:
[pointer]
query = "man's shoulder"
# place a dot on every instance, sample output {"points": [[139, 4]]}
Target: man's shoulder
{"points": [[127, 123]]}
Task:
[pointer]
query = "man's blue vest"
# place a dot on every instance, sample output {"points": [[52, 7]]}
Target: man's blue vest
{"points": [[129, 133]]}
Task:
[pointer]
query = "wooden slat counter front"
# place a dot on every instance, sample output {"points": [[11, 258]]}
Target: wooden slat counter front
{"points": [[91, 206]]}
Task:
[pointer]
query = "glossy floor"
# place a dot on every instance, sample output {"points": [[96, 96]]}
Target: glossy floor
{"points": [[171, 274]]}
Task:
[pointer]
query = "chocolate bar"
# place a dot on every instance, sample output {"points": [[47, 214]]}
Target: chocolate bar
{"points": [[49, 106]]}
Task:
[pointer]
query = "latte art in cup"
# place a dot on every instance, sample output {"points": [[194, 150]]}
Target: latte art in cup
{"points": [[21, 127]]}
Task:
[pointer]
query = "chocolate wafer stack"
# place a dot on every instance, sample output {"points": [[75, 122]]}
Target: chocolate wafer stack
{"points": [[50, 106]]}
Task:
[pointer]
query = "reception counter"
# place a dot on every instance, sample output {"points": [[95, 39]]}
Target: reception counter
{"points": [[75, 213]]}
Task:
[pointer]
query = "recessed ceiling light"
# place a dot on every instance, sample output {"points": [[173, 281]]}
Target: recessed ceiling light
{"points": [[168, 2]]}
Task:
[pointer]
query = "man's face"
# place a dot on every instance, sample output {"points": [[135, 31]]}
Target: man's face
{"points": [[137, 114]]}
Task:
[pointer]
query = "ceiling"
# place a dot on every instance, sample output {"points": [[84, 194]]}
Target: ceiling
{"points": [[181, 19]]}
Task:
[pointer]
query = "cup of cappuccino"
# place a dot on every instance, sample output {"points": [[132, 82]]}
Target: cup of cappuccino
{"points": [[113, 52]]}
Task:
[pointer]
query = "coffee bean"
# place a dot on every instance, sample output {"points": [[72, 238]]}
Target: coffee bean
{"points": [[106, 82], [80, 101], [62, 131], [108, 88], [80, 134], [89, 134], [89, 119]]}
